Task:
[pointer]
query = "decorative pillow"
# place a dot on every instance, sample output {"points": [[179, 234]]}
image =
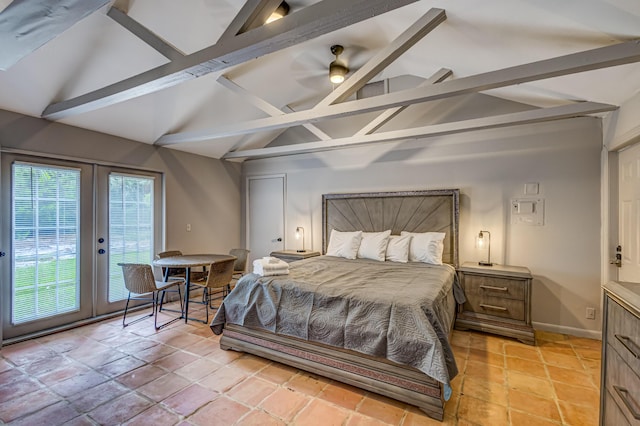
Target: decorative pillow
{"points": [[374, 245], [398, 248], [426, 247], [344, 244]]}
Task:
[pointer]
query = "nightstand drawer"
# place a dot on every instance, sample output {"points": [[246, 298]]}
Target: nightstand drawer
{"points": [[487, 286], [495, 306], [623, 333], [622, 384]]}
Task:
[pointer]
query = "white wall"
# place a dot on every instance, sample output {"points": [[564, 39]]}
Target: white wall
{"points": [[489, 168], [622, 128], [202, 191]]}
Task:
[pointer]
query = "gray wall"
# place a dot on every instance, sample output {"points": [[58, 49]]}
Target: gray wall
{"points": [[490, 168], [201, 191]]}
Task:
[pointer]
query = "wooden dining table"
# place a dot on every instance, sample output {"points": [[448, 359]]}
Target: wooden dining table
{"points": [[188, 261]]}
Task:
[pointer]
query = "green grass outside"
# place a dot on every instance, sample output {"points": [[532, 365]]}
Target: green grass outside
{"points": [[50, 296]]}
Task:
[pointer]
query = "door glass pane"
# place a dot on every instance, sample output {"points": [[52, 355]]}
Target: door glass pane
{"points": [[130, 227], [45, 236]]}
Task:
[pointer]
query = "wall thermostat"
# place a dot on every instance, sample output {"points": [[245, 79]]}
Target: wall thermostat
{"points": [[527, 211]]}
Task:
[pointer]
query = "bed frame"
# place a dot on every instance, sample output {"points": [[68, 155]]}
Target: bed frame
{"points": [[414, 211]]}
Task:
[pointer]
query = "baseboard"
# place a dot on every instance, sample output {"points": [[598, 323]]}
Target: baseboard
{"points": [[572, 331]]}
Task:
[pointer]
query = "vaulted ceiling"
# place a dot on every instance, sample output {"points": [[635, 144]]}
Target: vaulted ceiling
{"points": [[208, 77]]}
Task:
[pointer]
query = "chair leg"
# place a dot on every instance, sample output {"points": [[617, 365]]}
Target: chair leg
{"points": [[126, 308], [206, 303], [179, 297], [157, 308]]}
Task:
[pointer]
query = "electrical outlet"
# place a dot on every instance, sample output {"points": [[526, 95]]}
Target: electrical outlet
{"points": [[188, 227], [591, 313]]}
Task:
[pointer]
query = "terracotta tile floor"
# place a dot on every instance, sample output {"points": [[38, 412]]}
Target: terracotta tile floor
{"points": [[106, 374]]}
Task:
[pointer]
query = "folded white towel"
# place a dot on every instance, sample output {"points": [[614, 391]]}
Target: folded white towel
{"points": [[267, 266], [272, 273]]}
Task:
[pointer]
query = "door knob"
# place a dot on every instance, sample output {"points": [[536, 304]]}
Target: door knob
{"points": [[618, 260]]}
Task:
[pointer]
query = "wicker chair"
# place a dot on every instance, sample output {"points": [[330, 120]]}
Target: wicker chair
{"points": [[170, 272], [218, 278], [240, 266], [139, 280]]}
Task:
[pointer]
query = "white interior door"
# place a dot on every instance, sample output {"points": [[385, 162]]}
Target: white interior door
{"points": [[629, 213], [265, 215]]}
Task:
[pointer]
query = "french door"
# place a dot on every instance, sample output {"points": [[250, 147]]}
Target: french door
{"points": [[65, 226], [128, 229]]}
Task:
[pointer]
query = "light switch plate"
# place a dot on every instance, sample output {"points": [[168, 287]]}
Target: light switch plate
{"points": [[531, 188], [527, 211]]}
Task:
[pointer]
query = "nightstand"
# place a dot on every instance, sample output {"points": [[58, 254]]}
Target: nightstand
{"points": [[498, 300], [293, 255]]}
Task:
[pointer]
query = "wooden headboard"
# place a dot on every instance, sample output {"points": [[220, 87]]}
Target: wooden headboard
{"points": [[413, 211]]}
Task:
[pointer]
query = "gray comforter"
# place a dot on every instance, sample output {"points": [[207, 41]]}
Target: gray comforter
{"points": [[401, 312]]}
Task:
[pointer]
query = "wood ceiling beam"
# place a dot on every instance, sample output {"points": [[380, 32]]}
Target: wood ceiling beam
{"points": [[305, 24], [27, 25], [438, 77], [144, 34], [423, 26], [315, 130], [618, 54], [266, 106], [375, 65], [379, 62], [494, 122], [253, 14]]}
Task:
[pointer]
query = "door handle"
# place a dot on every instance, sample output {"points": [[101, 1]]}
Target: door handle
{"points": [[618, 260]]}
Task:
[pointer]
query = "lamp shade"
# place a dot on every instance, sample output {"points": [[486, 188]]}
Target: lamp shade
{"points": [[300, 234], [483, 240]]}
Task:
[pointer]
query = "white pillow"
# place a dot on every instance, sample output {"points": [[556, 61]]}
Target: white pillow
{"points": [[374, 245], [426, 247], [344, 244], [398, 248]]}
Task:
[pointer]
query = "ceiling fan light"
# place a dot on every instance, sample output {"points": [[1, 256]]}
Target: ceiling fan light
{"points": [[337, 72], [279, 13]]}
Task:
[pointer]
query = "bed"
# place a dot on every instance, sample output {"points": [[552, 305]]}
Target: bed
{"points": [[374, 325]]}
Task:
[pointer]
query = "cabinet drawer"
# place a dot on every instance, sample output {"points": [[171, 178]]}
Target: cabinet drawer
{"points": [[493, 286], [623, 385], [612, 412], [496, 306], [623, 333]]}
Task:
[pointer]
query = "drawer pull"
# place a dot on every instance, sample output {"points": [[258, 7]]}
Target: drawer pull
{"points": [[627, 343], [626, 398], [490, 287], [497, 308]]}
